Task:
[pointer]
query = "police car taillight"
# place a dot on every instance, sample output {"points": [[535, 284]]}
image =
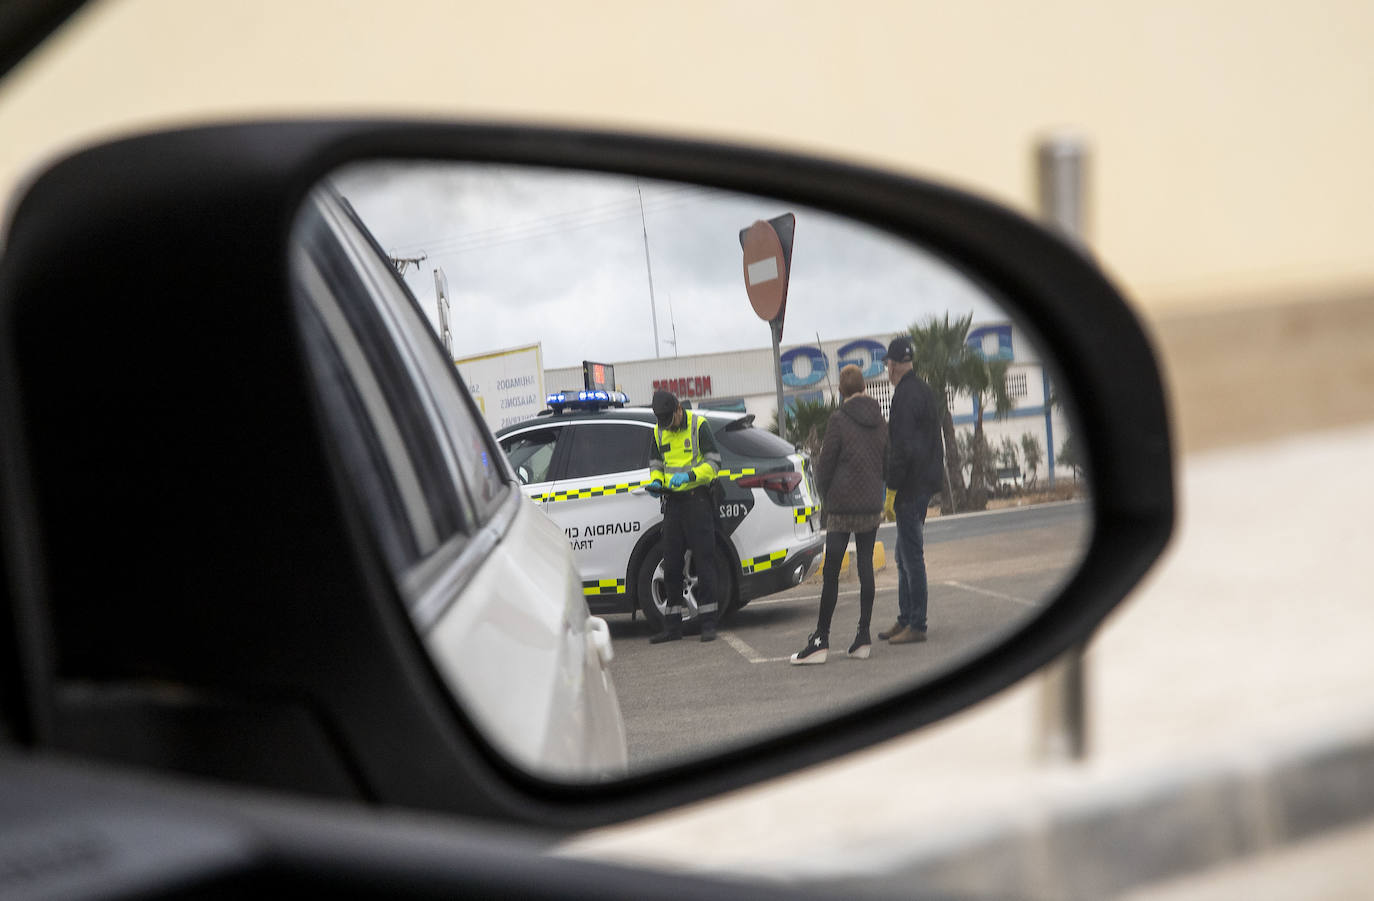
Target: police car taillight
{"points": [[781, 482]]}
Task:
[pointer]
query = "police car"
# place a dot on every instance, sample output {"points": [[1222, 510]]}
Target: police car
{"points": [[585, 462]]}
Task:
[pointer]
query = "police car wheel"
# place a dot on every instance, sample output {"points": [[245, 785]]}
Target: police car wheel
{"points": [[650, 586]]}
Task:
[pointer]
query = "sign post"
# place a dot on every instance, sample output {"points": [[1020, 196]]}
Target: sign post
{"points": [[767, 247]]}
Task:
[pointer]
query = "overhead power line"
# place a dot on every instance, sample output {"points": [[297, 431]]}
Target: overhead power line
{"points": [[548, 226]]}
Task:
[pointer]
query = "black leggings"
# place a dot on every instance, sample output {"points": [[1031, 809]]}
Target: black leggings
{"points": [[835, 545]]}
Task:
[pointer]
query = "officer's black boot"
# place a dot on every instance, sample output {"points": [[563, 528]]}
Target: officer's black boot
{"points": [[708, 628], [672, 629]]}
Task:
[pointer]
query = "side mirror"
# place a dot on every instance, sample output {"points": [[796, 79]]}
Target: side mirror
{"points": [[259, 530]]}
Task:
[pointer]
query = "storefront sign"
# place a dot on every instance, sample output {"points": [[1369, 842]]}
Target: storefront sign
{"points": [[508, 385], [992, 341], [690, 386], [866, 354], [803, 366]]}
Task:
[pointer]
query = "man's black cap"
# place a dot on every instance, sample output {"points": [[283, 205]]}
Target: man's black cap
{"points": [[665, 405], [900, 351]]}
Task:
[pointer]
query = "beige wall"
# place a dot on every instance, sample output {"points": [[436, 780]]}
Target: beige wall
{"points": [[1234, 140]]}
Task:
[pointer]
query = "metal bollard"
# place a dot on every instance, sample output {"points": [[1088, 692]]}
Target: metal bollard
{"points": [[1061, 179], [1062, 735], [1061, 164]]}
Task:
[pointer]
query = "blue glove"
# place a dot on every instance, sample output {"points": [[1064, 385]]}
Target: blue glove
{"points": [[678, 480]]}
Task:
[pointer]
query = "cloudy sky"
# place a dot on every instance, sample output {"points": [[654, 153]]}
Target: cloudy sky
{"points": [[536, 255]]}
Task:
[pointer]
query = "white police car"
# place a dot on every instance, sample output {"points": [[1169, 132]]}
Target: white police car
{"points": [[585, 461]]}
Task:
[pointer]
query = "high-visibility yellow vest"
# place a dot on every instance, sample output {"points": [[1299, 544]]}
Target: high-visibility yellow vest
{"points": [[682, 453]]}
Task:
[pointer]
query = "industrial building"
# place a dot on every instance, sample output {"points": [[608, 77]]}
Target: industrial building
{"points": [[744, 381]]}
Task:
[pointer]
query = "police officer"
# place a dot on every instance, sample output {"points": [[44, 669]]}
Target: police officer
{"points": [[683, 463]]}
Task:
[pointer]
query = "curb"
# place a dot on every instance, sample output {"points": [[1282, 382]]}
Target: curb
{"points": [[846, 573], [1108, 834]]}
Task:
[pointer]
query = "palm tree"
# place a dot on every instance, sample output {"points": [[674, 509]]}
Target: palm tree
{"points": [[942, 360], [986, 381], [1033, 453], [806, 422], [1068, 456]]}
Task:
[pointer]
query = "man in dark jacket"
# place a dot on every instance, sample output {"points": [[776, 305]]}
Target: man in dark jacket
{"points": [[915, 470]]}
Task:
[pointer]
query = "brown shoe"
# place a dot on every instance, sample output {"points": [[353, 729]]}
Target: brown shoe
{"points": [[888, 633], [907, 636]]}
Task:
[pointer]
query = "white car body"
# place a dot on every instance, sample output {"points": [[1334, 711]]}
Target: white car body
{"points": [[528, 662], [490, 582]]}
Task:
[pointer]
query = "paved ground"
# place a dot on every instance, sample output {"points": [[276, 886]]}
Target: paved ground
{"points": [[1250, 639], [988, 572]]}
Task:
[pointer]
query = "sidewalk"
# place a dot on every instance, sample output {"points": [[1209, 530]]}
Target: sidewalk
{"points": [[1231, 709]]}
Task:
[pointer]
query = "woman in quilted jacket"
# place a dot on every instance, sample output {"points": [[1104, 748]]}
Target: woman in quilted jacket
{"points": [[850, 477]]}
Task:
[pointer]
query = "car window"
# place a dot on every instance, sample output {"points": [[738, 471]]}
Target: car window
{"points": [[596, 448], [750, 442], [397, 464], [531, 454], [475, 461]]}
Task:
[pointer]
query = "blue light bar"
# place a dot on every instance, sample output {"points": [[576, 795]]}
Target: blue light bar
{"points": [[586, 400]]}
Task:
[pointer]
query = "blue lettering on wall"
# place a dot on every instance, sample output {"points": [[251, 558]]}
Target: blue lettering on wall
{"points": [[866, 354], [802, 366], [978, 340]]}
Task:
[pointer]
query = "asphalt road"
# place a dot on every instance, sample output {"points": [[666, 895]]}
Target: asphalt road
{"points": [[987, 572]]}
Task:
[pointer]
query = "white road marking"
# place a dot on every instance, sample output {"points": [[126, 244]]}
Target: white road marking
{"points": [[796, 598], [992, 594], [748, 653]]}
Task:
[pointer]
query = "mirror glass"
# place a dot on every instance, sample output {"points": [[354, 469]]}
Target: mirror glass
{"points": [[444, 303]]}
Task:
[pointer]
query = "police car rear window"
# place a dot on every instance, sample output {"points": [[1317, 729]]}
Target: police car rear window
{"points": [[751, 442]]}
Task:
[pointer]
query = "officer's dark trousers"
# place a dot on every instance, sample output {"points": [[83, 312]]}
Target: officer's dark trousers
{"points": [[689, 523]]}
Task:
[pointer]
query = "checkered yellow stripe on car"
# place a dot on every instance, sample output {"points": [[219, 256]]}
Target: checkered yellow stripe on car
{"points": [[604, 586], [733, 475], [572, 494], [802, 514], [760, 564]]}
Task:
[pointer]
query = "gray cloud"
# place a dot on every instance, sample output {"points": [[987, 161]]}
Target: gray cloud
{"points": [[557, 257]]}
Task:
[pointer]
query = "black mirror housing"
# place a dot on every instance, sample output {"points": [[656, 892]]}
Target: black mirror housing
{"points": [[191, 590]]}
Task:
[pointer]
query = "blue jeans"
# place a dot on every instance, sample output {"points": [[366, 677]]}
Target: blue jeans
{"points": [[912, 593]]}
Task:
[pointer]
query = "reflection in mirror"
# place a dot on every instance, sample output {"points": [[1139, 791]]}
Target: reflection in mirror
{"points": [[537, 554]]}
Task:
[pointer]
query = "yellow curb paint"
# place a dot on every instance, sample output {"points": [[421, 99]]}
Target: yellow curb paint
{"points": [[879, 563]]}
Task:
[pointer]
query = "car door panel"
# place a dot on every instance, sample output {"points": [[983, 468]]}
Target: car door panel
{"points": [[602, 507]]}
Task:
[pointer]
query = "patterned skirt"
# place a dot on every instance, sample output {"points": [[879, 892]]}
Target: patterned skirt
{"points": [[850, 522]]}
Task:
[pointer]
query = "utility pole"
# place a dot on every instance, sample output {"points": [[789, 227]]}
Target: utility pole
{"points": [[653, 308], [672, 324]]}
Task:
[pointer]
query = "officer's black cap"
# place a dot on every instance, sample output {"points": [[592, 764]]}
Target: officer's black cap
{"points": [[665, 405], [900, 350]]}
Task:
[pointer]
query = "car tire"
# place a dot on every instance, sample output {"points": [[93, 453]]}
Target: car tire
{"points": [[649, 585]]}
